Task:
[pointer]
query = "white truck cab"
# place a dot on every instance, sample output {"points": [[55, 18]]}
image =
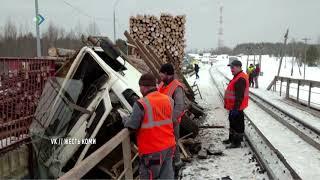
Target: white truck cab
{"points": [[82, 105]]}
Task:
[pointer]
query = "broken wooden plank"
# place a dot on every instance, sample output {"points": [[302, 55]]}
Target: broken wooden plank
{"points": [[203, 154], [93, 159], [183, 150], [144, 56], [212, 127]]}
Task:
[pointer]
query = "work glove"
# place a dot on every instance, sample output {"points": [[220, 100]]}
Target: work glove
{"points": [[124, 115], [234, 113]]}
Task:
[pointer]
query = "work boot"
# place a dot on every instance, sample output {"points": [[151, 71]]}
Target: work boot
{"points": [[229, 140], [236, 141], [233, 145], [178, 165]]}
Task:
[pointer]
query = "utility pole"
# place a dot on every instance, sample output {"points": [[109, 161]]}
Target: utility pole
{"points": [[248, 52], [293, 56], [260, 57], [282, 51], [305, 56], [38, 30], [220, 31], [114, 21]]}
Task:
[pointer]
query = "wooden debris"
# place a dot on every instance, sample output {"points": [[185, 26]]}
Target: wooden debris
{"points": [[202, 154], [211, 127], [60, 52], [186, 155]]}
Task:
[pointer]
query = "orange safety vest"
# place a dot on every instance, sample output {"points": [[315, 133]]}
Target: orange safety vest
{"points": [[169, 90], [230, 97], [156, 131]]}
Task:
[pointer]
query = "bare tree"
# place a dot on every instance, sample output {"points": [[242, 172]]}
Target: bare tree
{"points": [[93, 29], [51, 34], [10, 30], [79, 30]]}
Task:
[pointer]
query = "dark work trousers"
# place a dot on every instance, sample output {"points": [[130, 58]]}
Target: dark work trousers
{"points": [[236, 130], [176, 158], [157, 165], [251, 82], [197, 74]]}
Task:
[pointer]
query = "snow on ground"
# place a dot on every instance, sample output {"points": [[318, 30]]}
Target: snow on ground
{"points": [[269, 67], [235, 163], [302, 157]]}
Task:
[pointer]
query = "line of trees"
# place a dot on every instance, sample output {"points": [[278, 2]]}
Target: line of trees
{"points": [[293, 49], [21, 42]]}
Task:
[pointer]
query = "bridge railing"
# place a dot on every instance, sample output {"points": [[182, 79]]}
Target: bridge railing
{"points": [[293, 89], [21, 84]]}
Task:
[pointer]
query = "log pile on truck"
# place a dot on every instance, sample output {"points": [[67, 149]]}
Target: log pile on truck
{"points": [[161, 34]]}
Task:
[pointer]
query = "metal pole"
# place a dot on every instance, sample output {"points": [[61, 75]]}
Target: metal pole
{"points": [[38, 30], [114, 25], [305, 56], [114, 20]]}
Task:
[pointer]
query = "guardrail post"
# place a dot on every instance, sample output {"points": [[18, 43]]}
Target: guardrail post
{"points": [[126, 150], [309, 98], [288, 89], [298, 90], [280, 85]]}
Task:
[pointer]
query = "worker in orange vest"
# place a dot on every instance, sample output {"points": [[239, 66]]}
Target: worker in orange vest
{"points": [[236, 100], [173, 88], [151, 118]]}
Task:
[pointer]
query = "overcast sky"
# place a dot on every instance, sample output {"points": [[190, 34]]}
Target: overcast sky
{"points": [[244, 20]]}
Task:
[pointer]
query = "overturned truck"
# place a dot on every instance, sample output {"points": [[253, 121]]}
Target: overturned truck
{"points": [[79, 111]]}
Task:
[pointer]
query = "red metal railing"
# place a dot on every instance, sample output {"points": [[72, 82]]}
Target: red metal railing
{"points": [[21, 84]]}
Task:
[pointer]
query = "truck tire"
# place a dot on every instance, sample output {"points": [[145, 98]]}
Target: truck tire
{"points": [[187, 126]]}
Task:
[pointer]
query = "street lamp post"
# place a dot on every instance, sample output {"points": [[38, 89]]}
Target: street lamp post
{"points": [[114, 20], [37, 29], [305, 56]]}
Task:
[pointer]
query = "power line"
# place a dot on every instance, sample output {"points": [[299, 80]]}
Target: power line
{"points": [[84, 13]]}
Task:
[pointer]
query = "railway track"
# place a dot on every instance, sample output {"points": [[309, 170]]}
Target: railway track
{"points": [[269, 156]]}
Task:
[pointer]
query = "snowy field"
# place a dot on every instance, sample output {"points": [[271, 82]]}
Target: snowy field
{"points": [[234, 163], [269, 67]]}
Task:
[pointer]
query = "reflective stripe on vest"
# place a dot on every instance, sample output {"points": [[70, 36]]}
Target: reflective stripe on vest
{"points": [[156, 131], [151, 122], [170, 88]]}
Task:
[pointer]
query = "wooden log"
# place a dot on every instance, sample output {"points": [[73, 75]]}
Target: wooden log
{"points": [[60, 52], [158, 60], [149, 56], [144, 56]]}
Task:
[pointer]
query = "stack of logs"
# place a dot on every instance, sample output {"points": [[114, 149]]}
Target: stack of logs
{"points": [[163, 36]]}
